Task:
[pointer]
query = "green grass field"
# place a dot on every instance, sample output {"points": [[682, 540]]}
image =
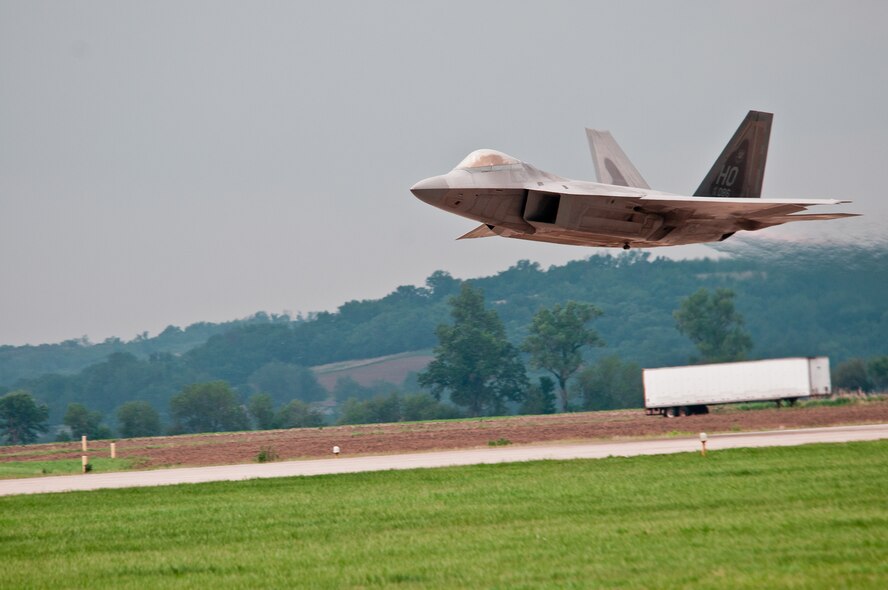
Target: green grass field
{"points": [[13, 469], [804, 517]]}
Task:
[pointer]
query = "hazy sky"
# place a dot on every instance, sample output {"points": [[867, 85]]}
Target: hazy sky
{"points": [[172, 162]]}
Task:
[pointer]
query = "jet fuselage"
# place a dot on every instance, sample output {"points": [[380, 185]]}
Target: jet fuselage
{"points": [[518, 200]]}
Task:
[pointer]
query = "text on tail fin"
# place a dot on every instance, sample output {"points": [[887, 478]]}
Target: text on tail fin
{"points": [[740, 169]]}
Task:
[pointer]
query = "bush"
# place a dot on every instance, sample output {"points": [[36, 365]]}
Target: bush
{"points": [[266, 454]]}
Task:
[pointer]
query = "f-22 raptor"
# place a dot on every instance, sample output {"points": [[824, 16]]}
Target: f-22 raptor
{"points": [[514, 199]]}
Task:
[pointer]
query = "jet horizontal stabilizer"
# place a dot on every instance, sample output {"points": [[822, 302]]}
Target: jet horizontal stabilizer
{"points": [[482, 231]]}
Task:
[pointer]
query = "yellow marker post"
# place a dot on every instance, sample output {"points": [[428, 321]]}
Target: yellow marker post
{"points": [[84, 460], [113, 450], [703, 439], [83, 443]]}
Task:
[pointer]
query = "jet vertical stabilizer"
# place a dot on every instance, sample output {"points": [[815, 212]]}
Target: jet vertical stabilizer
{"points": [[612, 165], [740, 168]]}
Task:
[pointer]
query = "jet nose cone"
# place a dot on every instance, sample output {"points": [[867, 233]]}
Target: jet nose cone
{"points": [[430, 190]]}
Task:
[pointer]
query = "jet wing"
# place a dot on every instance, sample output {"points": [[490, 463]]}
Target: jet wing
{"points": [[608, 216], [812, 217], [725, 208]]}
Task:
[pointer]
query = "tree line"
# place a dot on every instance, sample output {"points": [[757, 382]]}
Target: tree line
{"points": [[476, 371], [795, 302], [73, 355]]}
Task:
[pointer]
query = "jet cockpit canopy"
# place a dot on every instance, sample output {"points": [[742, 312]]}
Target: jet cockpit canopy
{"points": [[486, 159]]}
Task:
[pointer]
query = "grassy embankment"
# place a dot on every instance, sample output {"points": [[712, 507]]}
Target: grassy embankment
{"points": [[805, 517]]}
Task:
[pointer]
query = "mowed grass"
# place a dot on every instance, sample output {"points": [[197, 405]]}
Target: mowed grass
{"points": [[805, 517], [14, 469]]}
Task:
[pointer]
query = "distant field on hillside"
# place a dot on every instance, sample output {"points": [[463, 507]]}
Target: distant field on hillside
{"points": [[391, 369], [805, 517]]}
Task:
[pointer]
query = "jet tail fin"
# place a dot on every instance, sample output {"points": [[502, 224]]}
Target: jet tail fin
{"points": [[612, 165], [740, 169]]}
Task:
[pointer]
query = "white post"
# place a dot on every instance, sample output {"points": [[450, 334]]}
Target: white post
{"points": [[703, 439], [83, 462], [336, 451], [113, 450], [83, 443]]}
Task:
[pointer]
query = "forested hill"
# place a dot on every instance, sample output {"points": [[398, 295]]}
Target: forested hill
{"points": [[796, 301], [70, 356]]}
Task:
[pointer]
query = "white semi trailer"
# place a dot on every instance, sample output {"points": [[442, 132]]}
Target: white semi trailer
{"points": [[673, 391]]}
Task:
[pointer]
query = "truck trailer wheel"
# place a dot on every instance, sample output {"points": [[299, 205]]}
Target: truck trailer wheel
{"points": [[670, 412]]}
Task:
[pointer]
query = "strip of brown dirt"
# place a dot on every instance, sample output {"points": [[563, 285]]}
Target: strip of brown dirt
{"points": [[243, 447]]}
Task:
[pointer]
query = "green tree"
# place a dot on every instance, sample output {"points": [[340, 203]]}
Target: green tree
{"points": [[207, 407], [393, 407], [138, 418], [441, 284], [611, 384], [354, 411], [422, 406], [540, 398], [556, 339], [346, 387], [22, 417], [298, 414], [852, 375], [284, 381], [382, 408], [85, 422], [877, 370], [710, 321], [473, 361], [261, 408]]}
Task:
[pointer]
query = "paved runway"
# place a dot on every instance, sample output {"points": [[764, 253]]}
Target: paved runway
{"points": [[345, 464]]}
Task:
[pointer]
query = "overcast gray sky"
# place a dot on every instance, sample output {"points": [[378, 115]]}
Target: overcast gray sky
{"points": [[172, 162]]}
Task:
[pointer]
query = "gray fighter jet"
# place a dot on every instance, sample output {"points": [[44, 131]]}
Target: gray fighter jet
{"points": [[514, 199]]}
